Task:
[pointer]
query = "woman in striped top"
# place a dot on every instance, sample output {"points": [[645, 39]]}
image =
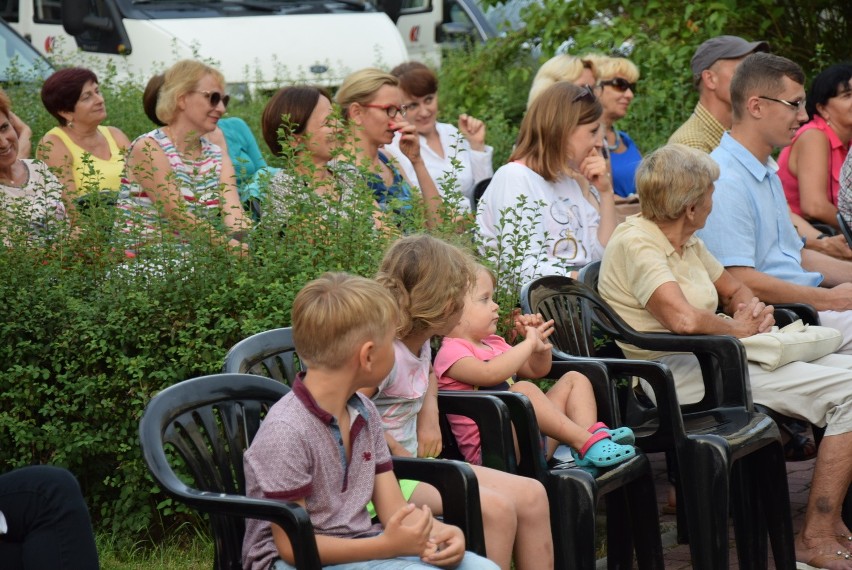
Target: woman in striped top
{"points": [[176, 179]]}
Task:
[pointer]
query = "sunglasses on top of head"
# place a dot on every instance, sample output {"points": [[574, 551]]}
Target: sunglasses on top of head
{"points": [[619, 84], [214, 97]]}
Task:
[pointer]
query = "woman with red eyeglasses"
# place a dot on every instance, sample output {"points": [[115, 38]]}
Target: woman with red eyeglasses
{"points": [[371, 101], [550, 210], [617, 87], [177, 180]]}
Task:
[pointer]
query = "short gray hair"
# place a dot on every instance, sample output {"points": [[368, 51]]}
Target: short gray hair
{"points": [[671, 179]]}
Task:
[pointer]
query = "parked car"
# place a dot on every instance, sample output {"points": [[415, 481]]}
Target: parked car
{"points": [[19, 60]]}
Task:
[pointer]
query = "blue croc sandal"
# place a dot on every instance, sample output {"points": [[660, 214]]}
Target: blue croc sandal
{"points": [[621, 435], [601, 451]]}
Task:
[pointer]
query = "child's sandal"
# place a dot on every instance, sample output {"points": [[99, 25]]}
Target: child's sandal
{"points": [[621, 435], [601, 451]]}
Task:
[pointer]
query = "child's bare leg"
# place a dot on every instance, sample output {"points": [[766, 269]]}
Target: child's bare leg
{"points": [[523, 506], [499, 519], [573, 393], [551, 417]]}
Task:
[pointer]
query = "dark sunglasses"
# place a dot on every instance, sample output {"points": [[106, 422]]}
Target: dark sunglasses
{"points": [[214, 97], [619, 84], [586, 94]]}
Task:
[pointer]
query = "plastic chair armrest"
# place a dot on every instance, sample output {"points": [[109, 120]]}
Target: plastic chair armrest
{"points": [[492, 416], [459, 489]]}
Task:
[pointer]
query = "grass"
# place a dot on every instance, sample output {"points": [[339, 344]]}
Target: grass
{"points": [[184, 552]]}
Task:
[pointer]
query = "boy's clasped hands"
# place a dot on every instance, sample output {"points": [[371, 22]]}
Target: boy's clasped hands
{"points": [[415, 532]]}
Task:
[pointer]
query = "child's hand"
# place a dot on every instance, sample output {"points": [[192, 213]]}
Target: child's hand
{"points": [[408, 530], [449, 549]]}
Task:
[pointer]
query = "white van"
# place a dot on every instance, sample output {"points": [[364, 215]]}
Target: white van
{"points": [[256, 44]]}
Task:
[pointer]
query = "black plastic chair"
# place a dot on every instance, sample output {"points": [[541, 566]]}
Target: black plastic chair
{"points": [[478, 191], [844, 228], [632, 519], [272, 354], [724, 453], [209, 422], [269, 353]]}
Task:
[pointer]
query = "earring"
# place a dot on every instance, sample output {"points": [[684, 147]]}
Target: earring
{"points": [[70, 124]]}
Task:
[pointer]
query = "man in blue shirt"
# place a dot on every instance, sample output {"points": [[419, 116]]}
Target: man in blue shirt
{"points": [[750, 232]]}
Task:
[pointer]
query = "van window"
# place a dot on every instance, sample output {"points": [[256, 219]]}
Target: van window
{"points": [[47, 11], [414, 6], [19, 61], [9, 10]]}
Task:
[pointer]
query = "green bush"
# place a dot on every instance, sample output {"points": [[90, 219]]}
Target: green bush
{"points": [[89, 338]]}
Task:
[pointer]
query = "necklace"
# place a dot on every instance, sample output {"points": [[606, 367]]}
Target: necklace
{"points": [[10, 181], [617, 141]]}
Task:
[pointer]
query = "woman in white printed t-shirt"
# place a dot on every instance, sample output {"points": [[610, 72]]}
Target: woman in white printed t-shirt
{"points": [[552, 204]]}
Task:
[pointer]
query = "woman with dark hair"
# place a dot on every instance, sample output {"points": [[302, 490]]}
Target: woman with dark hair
{"points": [[441, 143], [820, 147], [301, 116], [83, 154], [555, 191]]}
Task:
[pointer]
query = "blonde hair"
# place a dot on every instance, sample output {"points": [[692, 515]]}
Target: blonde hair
{"points": [[361, 87], [610, 67], [334, 315], [673, 178], [180, 79], [543, 140], [561, 67], [429, 278]]}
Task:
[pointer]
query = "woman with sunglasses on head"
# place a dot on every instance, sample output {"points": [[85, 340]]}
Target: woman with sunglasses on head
{"points": [[85, 155], [616, 89], [563, 67], [809, 168], [447, 151], [174, 174], [371, 101], [555, 191]]}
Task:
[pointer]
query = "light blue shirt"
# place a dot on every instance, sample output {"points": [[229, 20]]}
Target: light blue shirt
{"points": [[750, 223]]}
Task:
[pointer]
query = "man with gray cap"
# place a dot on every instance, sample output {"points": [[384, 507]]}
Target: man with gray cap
{"points": [[713, 67]]}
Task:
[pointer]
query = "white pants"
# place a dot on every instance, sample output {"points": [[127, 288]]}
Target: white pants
{"points": [[819, 391], [842, 321]]}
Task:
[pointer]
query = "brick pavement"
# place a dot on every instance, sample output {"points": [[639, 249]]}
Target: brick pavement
{"points": [[677, 555]]}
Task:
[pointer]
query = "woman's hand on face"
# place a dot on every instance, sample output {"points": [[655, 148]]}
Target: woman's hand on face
{"points": [[473, 130], [757, 316], [409, 142], [593, 167]]}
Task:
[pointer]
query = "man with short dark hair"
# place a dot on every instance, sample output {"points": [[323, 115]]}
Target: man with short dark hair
{"points": [[750, 232]]}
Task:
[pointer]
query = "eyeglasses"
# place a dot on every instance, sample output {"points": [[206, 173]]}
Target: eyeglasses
{"points": [[214, 98], [586, 94], [391, 110], [795, 105], [619, 84]]}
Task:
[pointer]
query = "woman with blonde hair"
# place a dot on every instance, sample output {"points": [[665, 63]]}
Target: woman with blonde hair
{"points": [[555, 191], [175, 176], [371, 102], [617, 88], [577, 70]]}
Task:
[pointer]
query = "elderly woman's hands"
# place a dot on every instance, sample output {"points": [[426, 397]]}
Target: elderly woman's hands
{"points": [[594, 169], [754, 317]]}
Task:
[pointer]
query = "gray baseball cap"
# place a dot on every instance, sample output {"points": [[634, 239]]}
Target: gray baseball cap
{"points": [[723, 47]]}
